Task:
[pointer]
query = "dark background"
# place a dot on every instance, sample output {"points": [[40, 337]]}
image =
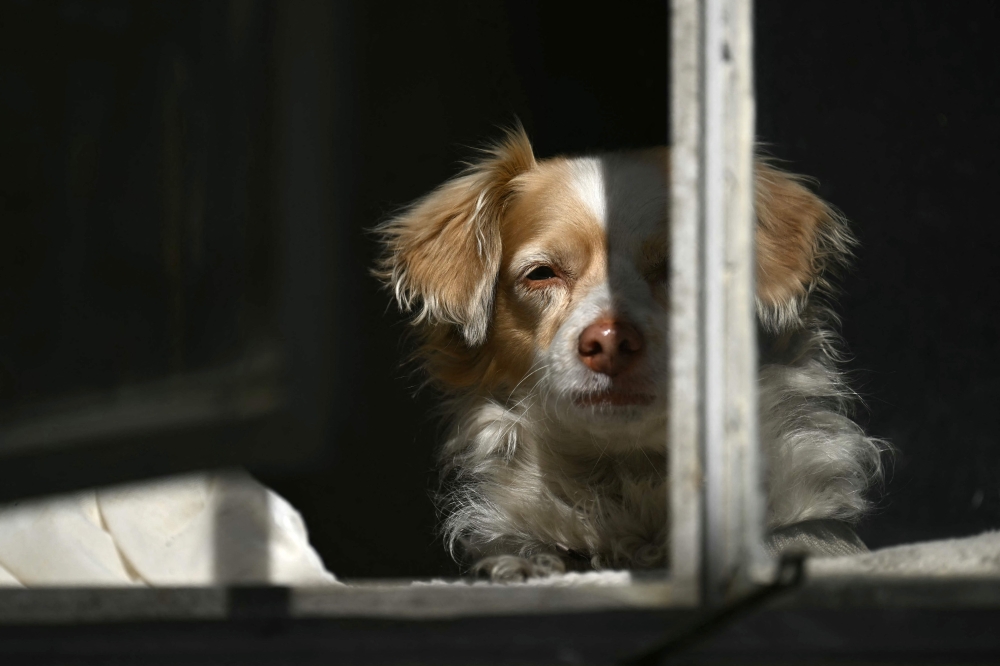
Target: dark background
{"points": [[894, 107], [106, 226]]}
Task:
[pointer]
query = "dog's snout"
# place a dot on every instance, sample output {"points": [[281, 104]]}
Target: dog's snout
{"points": [[609, 347]]}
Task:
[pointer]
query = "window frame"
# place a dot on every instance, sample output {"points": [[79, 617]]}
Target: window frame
{"points": [[716, 498]]}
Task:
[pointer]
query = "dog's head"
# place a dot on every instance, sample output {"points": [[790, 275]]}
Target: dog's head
{"points": [[549, 277]]}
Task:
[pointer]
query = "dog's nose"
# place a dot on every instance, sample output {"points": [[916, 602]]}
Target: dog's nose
{"points": [[609, 347]]}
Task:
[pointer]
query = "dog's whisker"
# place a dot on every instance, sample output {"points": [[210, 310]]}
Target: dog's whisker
{"points": [[525, 378]]}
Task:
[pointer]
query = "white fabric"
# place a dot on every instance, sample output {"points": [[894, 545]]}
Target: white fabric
{"points": [[201, 529], [59, 541]]}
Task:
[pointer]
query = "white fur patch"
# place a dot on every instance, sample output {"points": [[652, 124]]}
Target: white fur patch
{"points": [[588, 185]]}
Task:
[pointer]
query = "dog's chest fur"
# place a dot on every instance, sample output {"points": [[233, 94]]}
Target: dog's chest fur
{"points": [[516, 489]]}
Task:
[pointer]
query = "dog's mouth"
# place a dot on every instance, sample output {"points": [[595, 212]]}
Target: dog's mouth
{"points": [[614, 398]]}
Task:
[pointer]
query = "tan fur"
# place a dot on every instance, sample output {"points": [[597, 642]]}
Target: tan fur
{"points": [[443, 252], [799, 237]]}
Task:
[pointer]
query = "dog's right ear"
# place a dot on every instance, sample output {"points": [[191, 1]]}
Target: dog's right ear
{"points": [[442, 255], [800, 240]]}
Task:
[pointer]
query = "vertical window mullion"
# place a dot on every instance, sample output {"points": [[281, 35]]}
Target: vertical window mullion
{"points": [[684, 427], [713, 413]]}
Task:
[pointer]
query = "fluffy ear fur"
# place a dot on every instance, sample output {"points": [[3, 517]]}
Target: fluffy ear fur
{"points": [[799, 239], [442, 255]]}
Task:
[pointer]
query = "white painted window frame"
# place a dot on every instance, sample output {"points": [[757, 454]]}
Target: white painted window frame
{"points": [[717, 499]]}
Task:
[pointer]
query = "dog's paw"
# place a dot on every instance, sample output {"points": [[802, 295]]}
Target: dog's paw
{"points": [[513, 569]]}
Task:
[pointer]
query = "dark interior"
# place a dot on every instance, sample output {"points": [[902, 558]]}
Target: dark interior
{"points": [[892, 107]]}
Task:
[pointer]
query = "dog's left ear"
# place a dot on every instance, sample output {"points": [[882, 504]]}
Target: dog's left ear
{"points": [[799, 239], [442, 255]]}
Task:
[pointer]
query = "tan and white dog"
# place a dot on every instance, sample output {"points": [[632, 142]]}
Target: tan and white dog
{"points": [[540, 292]]}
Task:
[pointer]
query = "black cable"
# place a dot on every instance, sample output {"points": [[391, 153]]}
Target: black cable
{"points": [[791, 571]]}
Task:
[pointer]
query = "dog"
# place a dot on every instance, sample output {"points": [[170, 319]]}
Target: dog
{"points": [[539, 290]]}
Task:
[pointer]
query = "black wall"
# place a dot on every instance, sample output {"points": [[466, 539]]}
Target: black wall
{"points": [[133, 181]]}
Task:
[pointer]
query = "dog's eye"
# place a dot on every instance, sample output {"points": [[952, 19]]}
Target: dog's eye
{"points": [[541, 273]]}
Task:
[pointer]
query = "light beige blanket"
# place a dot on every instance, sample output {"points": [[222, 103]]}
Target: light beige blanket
{"points": [[164, 532]]}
